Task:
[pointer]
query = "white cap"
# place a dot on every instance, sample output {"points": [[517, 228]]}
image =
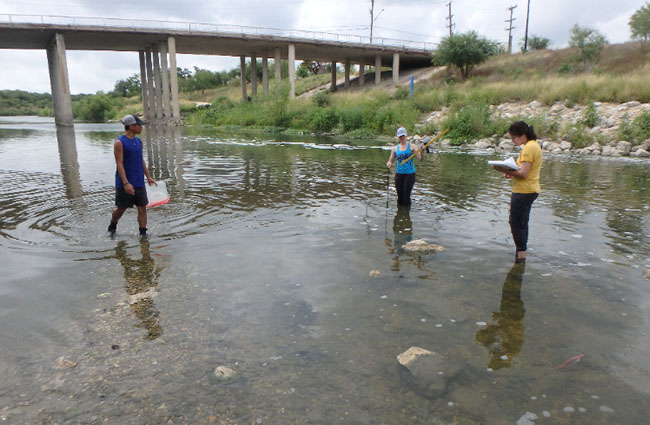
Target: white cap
{"points": [[400, 132]]}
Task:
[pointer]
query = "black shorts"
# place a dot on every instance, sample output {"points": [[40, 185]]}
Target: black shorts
{"points": [[124, 200]]}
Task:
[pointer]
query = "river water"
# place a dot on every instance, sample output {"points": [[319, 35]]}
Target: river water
{"points": [[281, 260]]}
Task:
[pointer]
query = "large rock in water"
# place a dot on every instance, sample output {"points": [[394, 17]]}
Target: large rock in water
{"points": [[419, 245], [427, 370]]}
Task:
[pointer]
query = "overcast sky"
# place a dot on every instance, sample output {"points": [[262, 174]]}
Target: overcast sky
{"points": [[416, 20]]}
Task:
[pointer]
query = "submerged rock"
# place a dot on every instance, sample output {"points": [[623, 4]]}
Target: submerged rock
{"points": [[419, 245], [527, 419], [63, 363], [224, 373], [427, 370]]}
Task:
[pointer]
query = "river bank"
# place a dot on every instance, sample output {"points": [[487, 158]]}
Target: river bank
{"points": [[609, 122]]}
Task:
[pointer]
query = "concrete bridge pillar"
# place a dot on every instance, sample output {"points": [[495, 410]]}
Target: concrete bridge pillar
{"points": [[395, 67], [173, 77], [242, 73], [347, 73], [265, 75], [157, 81], [152, 94], [143, 86], [165, 79], [362, 74], [377, 69], [278, 65], [292, 70], [254, 75], [333, 83], [59, 81]]}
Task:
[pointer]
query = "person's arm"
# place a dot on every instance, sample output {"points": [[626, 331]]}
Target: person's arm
{"points": [[121, 172], [146, 174], [420, 153], [522, 172], [391, 158]]}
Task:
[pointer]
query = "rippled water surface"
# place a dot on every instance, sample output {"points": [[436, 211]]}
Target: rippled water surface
{"points": [[283, 261]]}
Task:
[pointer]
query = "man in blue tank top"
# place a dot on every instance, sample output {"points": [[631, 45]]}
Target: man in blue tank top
{"points": [[129, 175]]}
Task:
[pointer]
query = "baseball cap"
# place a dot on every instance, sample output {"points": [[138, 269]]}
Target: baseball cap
{"points": [[401, 132], [132, 119]]}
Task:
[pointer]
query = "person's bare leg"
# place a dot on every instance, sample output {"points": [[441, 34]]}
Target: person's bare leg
{"points": [[142, 220], [115, 216]]}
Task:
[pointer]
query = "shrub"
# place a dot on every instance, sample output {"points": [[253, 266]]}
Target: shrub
{"points": [[351, 118], [589, 116], [321, 99], [469, 123], [95, 108], [625, 131], [641, 127], [576, 134], [323, 120], [400, 94]]}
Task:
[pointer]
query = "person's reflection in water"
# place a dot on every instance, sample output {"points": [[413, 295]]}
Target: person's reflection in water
{"points": [[141, 280], [403, 233], [505, 339]]}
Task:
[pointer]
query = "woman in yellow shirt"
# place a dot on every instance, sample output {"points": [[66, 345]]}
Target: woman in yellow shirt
{"points": [[525, 184]]}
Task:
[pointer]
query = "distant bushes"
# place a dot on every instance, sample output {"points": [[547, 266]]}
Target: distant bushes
{"points": [[96, 108]]}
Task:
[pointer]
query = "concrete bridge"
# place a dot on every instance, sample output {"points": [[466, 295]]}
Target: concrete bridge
{"points": [[158, 42]]}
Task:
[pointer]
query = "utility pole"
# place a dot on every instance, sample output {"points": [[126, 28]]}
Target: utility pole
{"points": [[510, 28], [526, 36], [372, 17], [450, 25]]}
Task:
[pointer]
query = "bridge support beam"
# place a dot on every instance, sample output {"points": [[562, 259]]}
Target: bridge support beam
{"points": [[347, 74], [278, 65], [157, 81], [333, 83], [362, 74], [254, 75], [143, 86], [292, 70], [242, 73], [165, 80], [173, 77], [59, 81], [265, 75], [377, 69], [152, 94], [395, 67]]}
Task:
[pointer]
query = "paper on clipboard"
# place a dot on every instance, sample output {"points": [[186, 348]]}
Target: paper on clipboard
{"points": [[508, 164]]}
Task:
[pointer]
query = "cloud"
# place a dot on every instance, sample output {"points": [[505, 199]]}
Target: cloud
{"points": [[416, 20]]}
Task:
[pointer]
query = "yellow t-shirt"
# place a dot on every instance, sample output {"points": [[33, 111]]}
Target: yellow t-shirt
{"points": [[532, 153]]}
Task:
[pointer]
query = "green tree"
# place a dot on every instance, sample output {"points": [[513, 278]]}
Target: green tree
{"points": [[465, 51], [127, 88], [640, 23], [589, 42], [537, 43]]}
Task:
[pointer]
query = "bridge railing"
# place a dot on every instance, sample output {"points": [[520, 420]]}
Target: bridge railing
{"points": [[138, 24]]}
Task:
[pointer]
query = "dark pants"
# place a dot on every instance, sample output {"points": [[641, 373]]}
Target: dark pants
{"points": [[520, 205], [404, 185]]}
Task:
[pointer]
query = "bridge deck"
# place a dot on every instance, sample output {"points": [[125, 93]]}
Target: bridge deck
{"points": [[208, 41]]}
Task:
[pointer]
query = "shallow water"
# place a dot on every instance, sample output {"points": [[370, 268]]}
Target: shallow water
{"points": [[261, 262]]}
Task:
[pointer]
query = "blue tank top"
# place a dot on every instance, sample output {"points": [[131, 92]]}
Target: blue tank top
{"points": [[132, 160], [400, 156]]}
